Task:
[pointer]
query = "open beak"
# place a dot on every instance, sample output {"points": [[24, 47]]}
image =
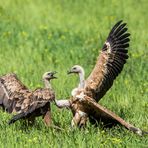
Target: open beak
{"points": [[53, 75], [69, 72]]}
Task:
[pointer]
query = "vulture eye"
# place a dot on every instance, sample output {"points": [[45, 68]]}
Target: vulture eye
{"points": [[74, 68]]}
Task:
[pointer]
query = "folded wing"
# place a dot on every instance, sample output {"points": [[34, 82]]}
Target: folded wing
{"points": [[37, 99], [36, 104]]}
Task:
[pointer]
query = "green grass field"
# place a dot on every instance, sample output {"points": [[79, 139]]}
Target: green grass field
{"points": [[38, 36]]}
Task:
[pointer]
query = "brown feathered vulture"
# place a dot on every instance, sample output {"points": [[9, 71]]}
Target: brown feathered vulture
{"points": [[15, 97], [109, 64]]}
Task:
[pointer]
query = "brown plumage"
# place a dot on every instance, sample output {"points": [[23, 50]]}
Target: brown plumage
{"points": [[110, 63], [37, 102], [15, 97], [85, 108], [12, 93]]}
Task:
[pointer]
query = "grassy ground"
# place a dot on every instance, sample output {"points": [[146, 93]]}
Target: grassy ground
{"points": [[37, 36]]}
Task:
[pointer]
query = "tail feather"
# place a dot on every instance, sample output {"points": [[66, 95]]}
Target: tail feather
{"points": [[21, 116], [16, 117]]}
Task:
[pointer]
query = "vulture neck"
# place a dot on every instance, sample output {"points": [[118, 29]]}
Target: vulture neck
{"points": [[47, 84], [82, 80]]}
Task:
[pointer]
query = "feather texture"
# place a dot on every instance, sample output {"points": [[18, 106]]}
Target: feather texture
{"points": [[12, 92], [98, 113], [110, 62], [17, 98]]}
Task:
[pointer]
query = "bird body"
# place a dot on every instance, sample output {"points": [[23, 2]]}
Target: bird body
{"points": [[17, 98], [109, 64], [38, 102]]}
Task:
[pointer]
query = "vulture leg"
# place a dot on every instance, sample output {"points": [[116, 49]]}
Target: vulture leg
{"points": [[76, 119], [80, 119], [83, 121], [47, 118]]}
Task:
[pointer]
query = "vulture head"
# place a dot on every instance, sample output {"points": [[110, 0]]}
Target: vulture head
{"points": [[80, 71], [49, 75], [76, 69]]}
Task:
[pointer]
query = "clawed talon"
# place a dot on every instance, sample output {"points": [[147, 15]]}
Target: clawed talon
{"points": [[79, 119]]}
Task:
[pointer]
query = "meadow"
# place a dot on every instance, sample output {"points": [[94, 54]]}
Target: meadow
{"points": [[41, 35]]}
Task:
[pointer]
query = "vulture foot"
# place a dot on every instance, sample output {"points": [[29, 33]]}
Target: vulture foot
{"points": [[80, 119]]}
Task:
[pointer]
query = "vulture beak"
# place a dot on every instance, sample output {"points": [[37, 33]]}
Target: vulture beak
{"points": [[53, 73], [69, 72]]}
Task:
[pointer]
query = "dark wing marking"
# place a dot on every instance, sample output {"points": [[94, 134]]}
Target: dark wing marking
{"points": [[110, 62]]}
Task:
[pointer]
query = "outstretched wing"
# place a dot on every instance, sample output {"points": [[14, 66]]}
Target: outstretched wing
{"points": [[11, 92], [110, 62], [98, 113]]}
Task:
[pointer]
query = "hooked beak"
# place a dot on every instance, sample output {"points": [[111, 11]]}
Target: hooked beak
{"points": [[53, 73], [69, 72]]}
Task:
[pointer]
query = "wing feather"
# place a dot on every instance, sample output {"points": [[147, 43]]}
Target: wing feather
{"points": [[37, 99], [110, 62], [98, 113], [12, 90], [37, 104]]}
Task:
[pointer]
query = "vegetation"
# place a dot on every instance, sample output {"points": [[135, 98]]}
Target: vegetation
{"points": [[37, 36]]}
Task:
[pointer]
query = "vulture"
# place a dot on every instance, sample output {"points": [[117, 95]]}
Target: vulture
{"points": [[110, 63], [16, 98]]}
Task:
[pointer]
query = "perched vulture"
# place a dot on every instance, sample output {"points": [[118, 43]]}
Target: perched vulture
{"points": [[15, 97], [109, 64]]}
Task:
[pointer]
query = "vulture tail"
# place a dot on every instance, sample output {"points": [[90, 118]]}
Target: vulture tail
{"points": [[16, 117]]}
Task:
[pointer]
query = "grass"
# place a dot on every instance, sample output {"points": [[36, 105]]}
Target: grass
{"points": [[37, 36]]}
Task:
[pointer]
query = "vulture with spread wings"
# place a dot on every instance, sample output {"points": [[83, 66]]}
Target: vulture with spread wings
{"points": [[16, 98], [109, 64]]}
